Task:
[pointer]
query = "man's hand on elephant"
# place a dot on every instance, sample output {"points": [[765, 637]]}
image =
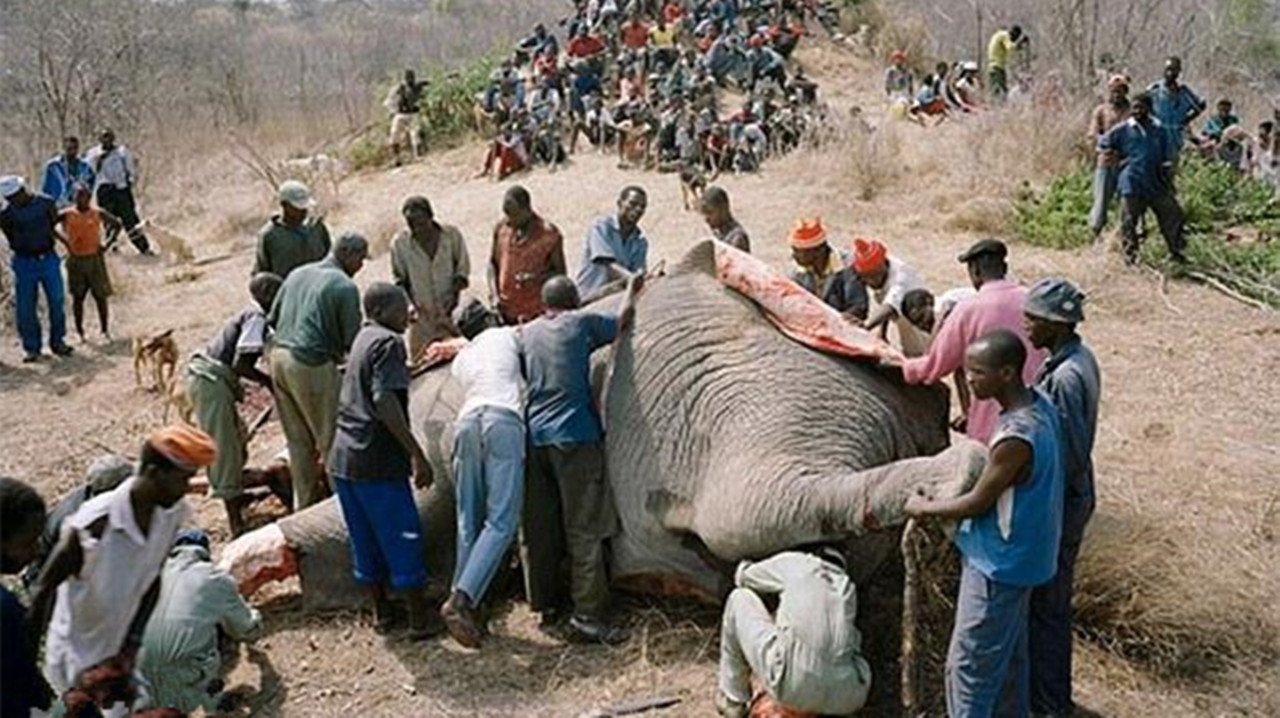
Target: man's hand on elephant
{"points": [[917, 505]]}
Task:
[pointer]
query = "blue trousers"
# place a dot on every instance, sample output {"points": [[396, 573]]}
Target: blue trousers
{"points": [[1050, 626], [31, 274], [987, 670], [488, 478], [384, 532]]}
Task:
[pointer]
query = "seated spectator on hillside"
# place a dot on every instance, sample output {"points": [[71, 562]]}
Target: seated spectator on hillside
{"points": [[1217, 125], [898, 83], [508, 151], [584, 45], [1234, 149], [928, 102], [968, 87], [198, 604], [634, 33]]}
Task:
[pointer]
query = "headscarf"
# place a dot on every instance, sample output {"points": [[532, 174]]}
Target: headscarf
{"points": [[869, 255], [185, 446], [808, 233], [897, 57]]}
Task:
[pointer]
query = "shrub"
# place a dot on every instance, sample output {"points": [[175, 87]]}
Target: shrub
{"points": [[1215, 199]]}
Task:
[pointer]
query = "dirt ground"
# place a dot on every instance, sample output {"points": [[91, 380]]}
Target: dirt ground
{"points": [[1187, 438]]}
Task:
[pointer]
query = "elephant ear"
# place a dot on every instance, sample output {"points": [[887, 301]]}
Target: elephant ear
{"points": [[700, 259]]}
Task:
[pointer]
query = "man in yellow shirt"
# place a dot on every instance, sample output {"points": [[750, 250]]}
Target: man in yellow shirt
{"points": [[1000, 52]]}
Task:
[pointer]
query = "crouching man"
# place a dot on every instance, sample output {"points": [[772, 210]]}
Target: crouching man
{"points": [[808, 653], [179, 655]]}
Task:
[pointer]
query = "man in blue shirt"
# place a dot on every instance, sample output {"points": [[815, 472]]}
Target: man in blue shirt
{"points": [[615, 248], [1010, 525], [1147, 157], [568, 507], [63, 172], [28, 222], [1175, 104], [1070, 378]]}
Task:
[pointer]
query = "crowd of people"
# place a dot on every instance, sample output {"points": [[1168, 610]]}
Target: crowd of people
{"points": [[528, 462], [650, 81]]}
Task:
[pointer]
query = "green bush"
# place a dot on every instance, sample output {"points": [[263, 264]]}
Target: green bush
{"points": [[446, 113], [1215, 199]]}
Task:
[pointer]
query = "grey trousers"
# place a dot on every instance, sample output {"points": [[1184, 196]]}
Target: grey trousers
{"points": [[1104, 191]]}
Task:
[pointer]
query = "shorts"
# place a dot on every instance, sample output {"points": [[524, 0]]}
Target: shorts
{"points": [[88, 274], [384, 531], [403, 128]]}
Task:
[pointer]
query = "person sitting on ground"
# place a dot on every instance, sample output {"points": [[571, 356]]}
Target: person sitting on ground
{"points": [[212, 379], [928, 101], [315, 317], [488, 463], [584, 45], [615, 248], [1070, 378], [1217, 124], [889, 279], [198, 604], [720, 220], [105, 474], [1234, 149], [83, 228], [807, 652], [22, 519], [374, 455], [1008, 536], [568, 512], [899, 85], [295, 236], [968, 87], [508, 150], [102, 581]]}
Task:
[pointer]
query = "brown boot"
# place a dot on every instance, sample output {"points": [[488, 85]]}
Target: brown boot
{"points": [[424, 620], [459, 617]]}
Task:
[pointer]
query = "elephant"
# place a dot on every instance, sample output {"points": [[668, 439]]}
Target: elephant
{"points": [[725, 439]]}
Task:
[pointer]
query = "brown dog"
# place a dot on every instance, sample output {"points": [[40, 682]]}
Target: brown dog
{"points": [[161, 353]]}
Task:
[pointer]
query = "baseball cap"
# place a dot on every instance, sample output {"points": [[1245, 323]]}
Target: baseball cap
{"points": [[1057, 300], [296, 195], [11, 185], [984, 246]]}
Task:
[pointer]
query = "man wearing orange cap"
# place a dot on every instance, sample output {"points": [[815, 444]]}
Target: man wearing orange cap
{"points": [[1105, 116], [823, 271], [889, 279], [107, 566]]}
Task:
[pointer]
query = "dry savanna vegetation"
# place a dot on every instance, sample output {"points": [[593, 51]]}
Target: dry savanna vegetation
{"points": [[1178, 597]]}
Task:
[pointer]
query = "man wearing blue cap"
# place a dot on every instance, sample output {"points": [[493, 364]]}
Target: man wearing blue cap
{"points": [[1070, 378]]}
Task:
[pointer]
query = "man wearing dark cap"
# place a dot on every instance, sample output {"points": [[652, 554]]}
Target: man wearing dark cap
{"points": [[998, 305], [1070, 379]]}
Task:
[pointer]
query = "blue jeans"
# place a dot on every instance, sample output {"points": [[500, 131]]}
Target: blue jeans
{"points": [[384, 531], [1104, 191], [987, 669], [1050, 626], [43, 271], [488, 476]]}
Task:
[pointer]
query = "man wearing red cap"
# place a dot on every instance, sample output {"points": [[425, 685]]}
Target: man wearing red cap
{"points": [[107, 566], [898, 83], [998, 305], [890, 279], [823, 272]]}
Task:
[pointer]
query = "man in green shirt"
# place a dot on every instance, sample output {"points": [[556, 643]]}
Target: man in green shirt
{"points": [[315, 317], [294, 237], [1000, 53]]}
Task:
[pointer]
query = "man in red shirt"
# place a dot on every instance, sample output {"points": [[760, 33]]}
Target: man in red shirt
{"points": [[584, 45], [634, 33], [527, 250]]}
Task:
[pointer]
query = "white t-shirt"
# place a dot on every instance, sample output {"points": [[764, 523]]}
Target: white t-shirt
{"points": [[944, 303], [93, 611], [902, 279], [488, 368]]}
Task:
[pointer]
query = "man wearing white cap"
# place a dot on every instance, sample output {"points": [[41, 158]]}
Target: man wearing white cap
{"points": [[28, 221], [1071, 380], [294, 237]]}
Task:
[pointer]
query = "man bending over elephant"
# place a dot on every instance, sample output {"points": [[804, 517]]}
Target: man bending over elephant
{"points": [[1010, 524], [809, 653], [568, 507]]}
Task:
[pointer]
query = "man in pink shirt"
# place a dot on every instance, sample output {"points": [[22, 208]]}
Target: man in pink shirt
{"points": [[998, 305]]}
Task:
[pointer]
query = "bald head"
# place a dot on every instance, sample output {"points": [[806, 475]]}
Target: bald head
{"points": [[559, 292], [993, 364]]}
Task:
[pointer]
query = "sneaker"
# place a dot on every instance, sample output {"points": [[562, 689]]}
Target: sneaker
{"points": [[589, 630], [63, 350], [729, 708], [460, 620]]}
